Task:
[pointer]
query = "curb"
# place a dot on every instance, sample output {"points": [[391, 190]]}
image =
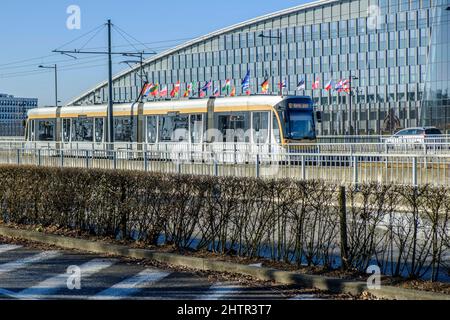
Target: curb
{"points": [[334, 285]]}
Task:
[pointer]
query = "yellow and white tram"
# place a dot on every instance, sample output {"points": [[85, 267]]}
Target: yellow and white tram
{"points": [[261, 123]]}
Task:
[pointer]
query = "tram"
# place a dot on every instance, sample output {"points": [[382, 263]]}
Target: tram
{"points": [[259, 123]]}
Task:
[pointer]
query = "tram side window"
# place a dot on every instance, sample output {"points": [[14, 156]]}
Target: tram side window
{"points": [[83, 130], [276, 130], [152, 129], [260, 127], [46, 130], [174, 128], [181, 132], [124, 129], [233, 127], [196, 128], [99, 123], [66, 130]]}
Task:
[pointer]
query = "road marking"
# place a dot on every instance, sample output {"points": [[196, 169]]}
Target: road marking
{"points": [[8, 247], [131, 286], [219, 290], [22, 263], [48, 287]]}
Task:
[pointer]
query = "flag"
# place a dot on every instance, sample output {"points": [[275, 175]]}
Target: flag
{"points": [[186, 94], [246, 81], [175, 90], [145, 89], [330, 85], [233, 92], [190, 87], [265, 86], [154, 90], [346, 86], [282, 84], [202, 94], [316, 84], [206, 86], [248, 92], [301, 85], [163, 92], [226, 86], [216, 92], [339, 86]]}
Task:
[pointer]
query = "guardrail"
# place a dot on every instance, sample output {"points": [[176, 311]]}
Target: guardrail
{"points": [[345, 168], [443, 138], [426, 147]]}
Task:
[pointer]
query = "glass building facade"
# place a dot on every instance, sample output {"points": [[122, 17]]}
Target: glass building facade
{"points": [[436, 101], [396, 51], [13, 113]]}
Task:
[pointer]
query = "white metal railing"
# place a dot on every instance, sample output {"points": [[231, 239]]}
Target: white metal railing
{"points": [[425, 147], [347, 168]]}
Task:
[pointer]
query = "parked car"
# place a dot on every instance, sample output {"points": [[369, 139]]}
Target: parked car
{"points": [[415, 138]]}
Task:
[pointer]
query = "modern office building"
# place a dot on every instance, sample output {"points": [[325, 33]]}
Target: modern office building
{"points": [[396, 52], [13, 113]]}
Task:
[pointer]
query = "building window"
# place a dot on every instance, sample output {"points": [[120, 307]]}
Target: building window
{"points": [[383, 41], [381, 59], [412, 19], [362, 62], [412, 55], [413, 40], [424, 37], [335, 46], [422, 58], [343, 28], [391, 58], [326, 47], [403, 39], [401, 57], [392, 40], [344, 45], [324, 31], [334, 30], [403, 75], [354, 45]]}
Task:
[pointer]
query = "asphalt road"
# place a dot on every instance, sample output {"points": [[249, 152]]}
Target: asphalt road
{"points": [[28, 273]]}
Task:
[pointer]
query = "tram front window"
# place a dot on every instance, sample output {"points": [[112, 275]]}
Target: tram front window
{"points": [[301, 125]]}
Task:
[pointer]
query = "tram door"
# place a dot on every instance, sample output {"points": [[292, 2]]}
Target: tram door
{"points": [[233, 139]]}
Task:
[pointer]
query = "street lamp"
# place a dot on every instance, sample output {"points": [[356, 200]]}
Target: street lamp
{"points": [[279, 37], [350, 118], [56, 80]]}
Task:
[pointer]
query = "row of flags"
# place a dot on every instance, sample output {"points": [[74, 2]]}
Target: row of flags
{"points": [[151, 89]]}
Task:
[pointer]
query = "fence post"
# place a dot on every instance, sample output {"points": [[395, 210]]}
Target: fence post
{"points": [[303, 168], [343, 228], [145, 161], [62, 158], [414, 171], [87, 159], [114, 159], [39, 157], [18, 156], [216, 167], [178, 163], [257, 168], [355, 170]]}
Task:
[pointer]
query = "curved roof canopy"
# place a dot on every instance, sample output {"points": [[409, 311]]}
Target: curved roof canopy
{"points": [[206, 37]]}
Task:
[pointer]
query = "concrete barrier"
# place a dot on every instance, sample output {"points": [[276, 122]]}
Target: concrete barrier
{"points": [[335, 285]]}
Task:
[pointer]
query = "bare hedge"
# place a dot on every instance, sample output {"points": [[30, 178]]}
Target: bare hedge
{"points": [[404, 230]]}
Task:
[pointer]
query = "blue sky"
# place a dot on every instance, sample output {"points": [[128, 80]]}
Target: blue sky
{"points": [[32, 29]]}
